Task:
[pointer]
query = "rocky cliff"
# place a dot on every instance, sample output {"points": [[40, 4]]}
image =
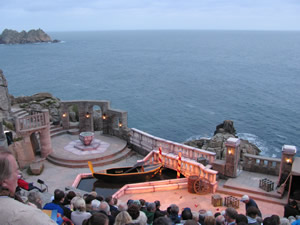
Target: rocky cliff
{"points": [[4, 97], [32, 36], [216, 144]]}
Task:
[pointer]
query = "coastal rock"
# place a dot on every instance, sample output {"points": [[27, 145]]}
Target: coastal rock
{"points": [[33, 36], [4, 97], [38, 102], [225, 127], [216, 144]]}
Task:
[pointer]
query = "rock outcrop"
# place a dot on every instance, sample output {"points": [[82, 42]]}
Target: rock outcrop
{"points": [[38, 102], [32, 36], [216, 144], [4, 98]]}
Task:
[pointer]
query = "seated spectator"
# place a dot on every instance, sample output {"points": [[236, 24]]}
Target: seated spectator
{"points": [[158, 211], [268, 221], [68, 198], [115, 201], [56, 204], [95, 206], [88, 201], [209, 220], [276, 219], [150, 212], [195, 216], [292, 219], [143, 205], [113, 210], [104, 208], [173, 213], [35, 199], [230, 216], [186, 215], [122, 207], [137, 215], [80, 214], [96, 219], [123, 218], [220, 220], [162, 221], [252, 213], [190, 222], [241, 218], [202, 215], [11, 210], [284, 221]]}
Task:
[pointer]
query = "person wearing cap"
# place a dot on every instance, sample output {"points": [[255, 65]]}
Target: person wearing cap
{"points": [[250, 202]]}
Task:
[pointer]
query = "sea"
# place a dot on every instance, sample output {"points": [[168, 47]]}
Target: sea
{"points": [[174, 84]]}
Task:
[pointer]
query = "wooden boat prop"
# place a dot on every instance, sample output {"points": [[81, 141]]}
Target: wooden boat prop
{"points": [[137, 173]]}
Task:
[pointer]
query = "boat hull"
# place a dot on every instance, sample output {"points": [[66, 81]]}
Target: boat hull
{"points": [[137, 174]]}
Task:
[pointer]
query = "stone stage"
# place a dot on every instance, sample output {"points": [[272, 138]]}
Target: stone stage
{"points": [[109, 149]]}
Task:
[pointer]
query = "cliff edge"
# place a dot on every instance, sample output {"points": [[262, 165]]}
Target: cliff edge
{"points": [[23, 37]]}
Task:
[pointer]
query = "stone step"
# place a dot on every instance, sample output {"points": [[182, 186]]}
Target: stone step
{"points": [[57, 133], [272, 194], [126, 152], [20, 113], [92, 158], [54, 129], [257, 196]]}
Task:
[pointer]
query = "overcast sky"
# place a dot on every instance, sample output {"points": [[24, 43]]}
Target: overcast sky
{"points": [[77, 15]]}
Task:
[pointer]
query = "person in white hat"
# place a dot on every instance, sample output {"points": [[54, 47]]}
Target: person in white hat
{"points": [[250, 202]]}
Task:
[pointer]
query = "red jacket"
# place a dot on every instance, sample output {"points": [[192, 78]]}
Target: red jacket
{"points": [[23, 184]]}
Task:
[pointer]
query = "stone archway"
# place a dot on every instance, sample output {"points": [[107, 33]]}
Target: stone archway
{"points": [[35, 143]]}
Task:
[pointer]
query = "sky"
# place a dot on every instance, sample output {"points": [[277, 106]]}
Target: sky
{"points": [[90, 15]]}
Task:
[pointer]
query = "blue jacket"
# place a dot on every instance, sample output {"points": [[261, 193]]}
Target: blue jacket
{"points": [[52, 206]]}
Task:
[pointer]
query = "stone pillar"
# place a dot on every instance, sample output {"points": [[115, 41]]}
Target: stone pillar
{"points": [[287, 159], [85, 112], [65, 116], [45, 139], [232, 156]]}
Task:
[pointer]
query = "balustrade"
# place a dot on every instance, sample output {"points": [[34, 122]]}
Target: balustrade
{"points": [[31, 122], [261, 164], [150, 142], [188, 167]]}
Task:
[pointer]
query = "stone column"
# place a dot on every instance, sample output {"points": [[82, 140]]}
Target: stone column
{"points": [[287, 159], [85, 112], [45, 139], [232, 157]]}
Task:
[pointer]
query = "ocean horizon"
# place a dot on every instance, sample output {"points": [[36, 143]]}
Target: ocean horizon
{"points": [[174, 84]]}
